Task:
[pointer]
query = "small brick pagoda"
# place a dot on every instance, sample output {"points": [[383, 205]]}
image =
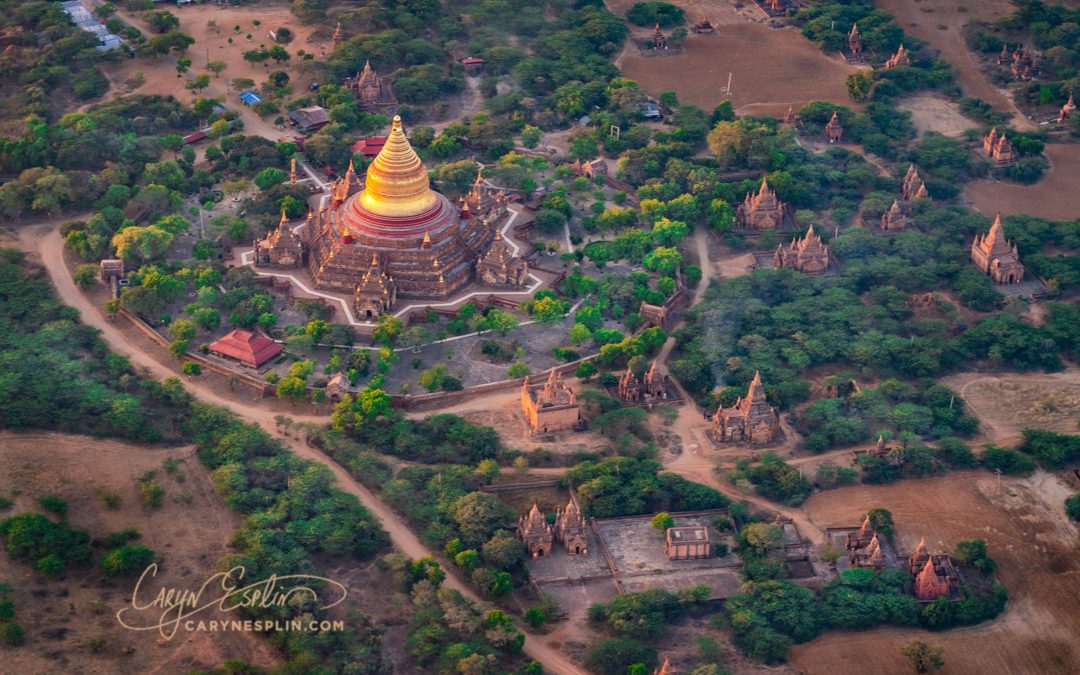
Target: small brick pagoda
{"points": [[901, 58], [807, 255], [372, 92], [651, 386], [535, 532], [996, 257], [570, 529], [893, 218], [550, 406], [282, 248], [864, 547], [833, 130], [913, 186], [998, 148], [687, 543], [750, 420], [854, 40]]}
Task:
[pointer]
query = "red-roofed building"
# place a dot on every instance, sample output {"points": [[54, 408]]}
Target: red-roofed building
{"points": [[370, 147], [247, 348]]}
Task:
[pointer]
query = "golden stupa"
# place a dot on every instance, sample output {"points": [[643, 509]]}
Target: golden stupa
{"points": [[397, 184]]}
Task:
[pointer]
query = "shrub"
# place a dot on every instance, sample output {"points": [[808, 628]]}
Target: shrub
{"points": [[127, 559], [1008, 461]]}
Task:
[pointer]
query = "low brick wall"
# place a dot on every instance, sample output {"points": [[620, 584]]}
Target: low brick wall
{"points": [[255, 383], [439, 399]]}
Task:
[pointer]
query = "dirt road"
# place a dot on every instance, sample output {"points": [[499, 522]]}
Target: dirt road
{"points": [[50, 247]]}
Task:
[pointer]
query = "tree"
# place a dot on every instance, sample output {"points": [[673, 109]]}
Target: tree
{"points": [[924, 657], [1072, 506], [191, 369], [479, 515], [161, 22], [615, 657], [85, 276], [859, 84], [663, 521], [387, 330], [141, 244], [291, 388], [503, 550], [518, 369], [182, 66], [198, 83], [279, 53], [127, 559], [217, 68], [663, 260], [669, 232], [498, 320]]}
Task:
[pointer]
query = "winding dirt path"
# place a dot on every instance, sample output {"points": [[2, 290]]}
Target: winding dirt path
{"points": [[46, 241]]}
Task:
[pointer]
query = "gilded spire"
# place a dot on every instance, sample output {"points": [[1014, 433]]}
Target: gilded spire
{"points": [[397, 181]]}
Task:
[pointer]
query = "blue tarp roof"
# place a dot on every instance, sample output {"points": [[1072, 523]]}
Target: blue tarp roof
{"points": [[250, 97]]}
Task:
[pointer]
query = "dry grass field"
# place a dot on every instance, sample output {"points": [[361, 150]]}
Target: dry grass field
{"points": [[1056, 196], [1028, 534], [933, 113], [1008, 403], [939, 23], [771, 68], [61, 616]]}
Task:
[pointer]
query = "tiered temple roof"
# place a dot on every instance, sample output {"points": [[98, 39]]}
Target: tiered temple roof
{"points": [[893, 218], [659, 40], [854, 40], [900, 58], [282, 248], [996, 257], [651, 385], [913, 186], [535, 532], [750, 420], [1068, 109], [761, 211], [998, 148], [371, 91], [808, 254], [500, 267], [570, 529], [833, 130], [425, 247]]}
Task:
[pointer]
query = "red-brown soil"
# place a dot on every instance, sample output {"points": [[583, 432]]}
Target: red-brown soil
{"points": [[1027, 533], [1056, 196]]}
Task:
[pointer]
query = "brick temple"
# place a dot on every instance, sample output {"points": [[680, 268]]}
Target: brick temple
{"points": [[996, 257], [750, 420], [807, 255], [391, 236], [761, 211]]}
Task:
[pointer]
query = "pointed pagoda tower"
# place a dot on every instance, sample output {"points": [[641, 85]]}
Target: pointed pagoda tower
{"points": [[750, 420], [395, 217], [996, 257], [535, 533], [893, 218], [570, 529], [854, 40], [761, 211], [919, 557], [807, 255]]}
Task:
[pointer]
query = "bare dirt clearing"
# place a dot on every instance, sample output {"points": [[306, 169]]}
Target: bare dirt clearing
{"points": [[939, 22], [759, 58], [933, 113], [1026, 532], [1056, 196], [1007, 403], [189, 533]]}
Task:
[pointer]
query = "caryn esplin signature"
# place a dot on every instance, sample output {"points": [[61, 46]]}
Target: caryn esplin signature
{"points": [[177, 604]]}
